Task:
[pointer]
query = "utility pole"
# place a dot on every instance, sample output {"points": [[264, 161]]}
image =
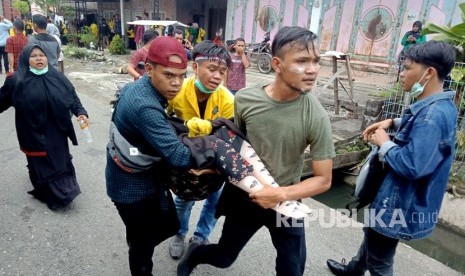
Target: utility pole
{"points": [[99, 23], [156, 10], [123, 30]]}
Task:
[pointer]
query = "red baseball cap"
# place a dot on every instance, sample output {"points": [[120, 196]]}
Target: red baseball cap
{"points": [[165, 46]]}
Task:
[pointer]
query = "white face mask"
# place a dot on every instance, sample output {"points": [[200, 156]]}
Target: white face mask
{"points": [[417, 88]]}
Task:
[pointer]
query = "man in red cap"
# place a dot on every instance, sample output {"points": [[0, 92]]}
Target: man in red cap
{"points": [[145, 206]]}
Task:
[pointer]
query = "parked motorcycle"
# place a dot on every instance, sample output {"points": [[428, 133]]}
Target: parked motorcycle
{"points": [[260, 54]]}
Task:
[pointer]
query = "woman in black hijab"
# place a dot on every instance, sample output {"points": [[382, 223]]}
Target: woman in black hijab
{"points": [[44, 101], [413, 37], [410, 38]]}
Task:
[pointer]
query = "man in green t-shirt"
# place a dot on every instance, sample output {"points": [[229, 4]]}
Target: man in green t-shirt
{"points": [[280, 120]]}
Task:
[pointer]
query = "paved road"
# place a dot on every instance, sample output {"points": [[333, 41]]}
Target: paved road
{"points": [[88, 237]]}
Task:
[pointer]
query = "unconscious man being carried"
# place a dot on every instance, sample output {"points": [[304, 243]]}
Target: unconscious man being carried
{"points": [[226, 150]]}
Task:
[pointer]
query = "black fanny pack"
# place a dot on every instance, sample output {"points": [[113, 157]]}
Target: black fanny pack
{"points": [[128, 157]]}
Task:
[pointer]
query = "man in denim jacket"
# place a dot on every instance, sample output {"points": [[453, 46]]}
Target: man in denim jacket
{"points": [[419, 159]]}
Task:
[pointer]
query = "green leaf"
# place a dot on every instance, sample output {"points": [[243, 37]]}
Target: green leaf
{"points": [[458, 29], [432, 28], [457, 74], [458, 36], [462, 8]]}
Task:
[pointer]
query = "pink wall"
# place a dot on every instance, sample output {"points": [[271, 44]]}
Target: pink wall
{"points": [[380, 23], [347, 19], [327, 29], [249, 21], [276, 4], [436, 16], [380, 46], [237, 20], [288, 12], [302, 21]]}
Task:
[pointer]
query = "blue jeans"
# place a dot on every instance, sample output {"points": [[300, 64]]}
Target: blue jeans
{"points": [[376, 254], [207, 220]]}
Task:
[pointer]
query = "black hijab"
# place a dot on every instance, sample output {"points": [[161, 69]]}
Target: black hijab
{"points": [[40, 100], [417, 33]]}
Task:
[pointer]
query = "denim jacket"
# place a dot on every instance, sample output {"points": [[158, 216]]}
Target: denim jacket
{"points": [[419, 159]]}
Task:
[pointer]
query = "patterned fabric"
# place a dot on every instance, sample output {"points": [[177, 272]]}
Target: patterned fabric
{"points": [[15, 45], [189, 187], [218, 151], [227, 160], [236, 74]]}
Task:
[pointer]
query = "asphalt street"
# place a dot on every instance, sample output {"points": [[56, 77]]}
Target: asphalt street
{"points": [[88, 237]]}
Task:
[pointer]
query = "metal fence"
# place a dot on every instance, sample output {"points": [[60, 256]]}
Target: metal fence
{"points": [[397, 100]]}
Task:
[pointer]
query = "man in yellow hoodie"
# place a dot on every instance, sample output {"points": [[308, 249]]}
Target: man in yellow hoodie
{"points": [[202, 96]]}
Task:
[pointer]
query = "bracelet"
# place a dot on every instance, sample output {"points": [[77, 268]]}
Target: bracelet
{"points": [[392, 122]]}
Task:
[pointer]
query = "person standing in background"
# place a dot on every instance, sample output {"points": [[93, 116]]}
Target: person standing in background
{"points": [[236, 77], [169, 30], [131, 33], [136, 66], [5, 26], [194, 32], [48, 43], [139, 33], [179, 36], [410, 38], [28, 27], [413, 37], [104, 32], [115, 26], [15, 45], [53, 31]]}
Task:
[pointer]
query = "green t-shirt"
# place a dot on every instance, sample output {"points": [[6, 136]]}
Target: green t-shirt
{"points": [[281, 131]]}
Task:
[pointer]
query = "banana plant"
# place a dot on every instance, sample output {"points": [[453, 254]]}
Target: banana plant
{"points": [[454, 35]]}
